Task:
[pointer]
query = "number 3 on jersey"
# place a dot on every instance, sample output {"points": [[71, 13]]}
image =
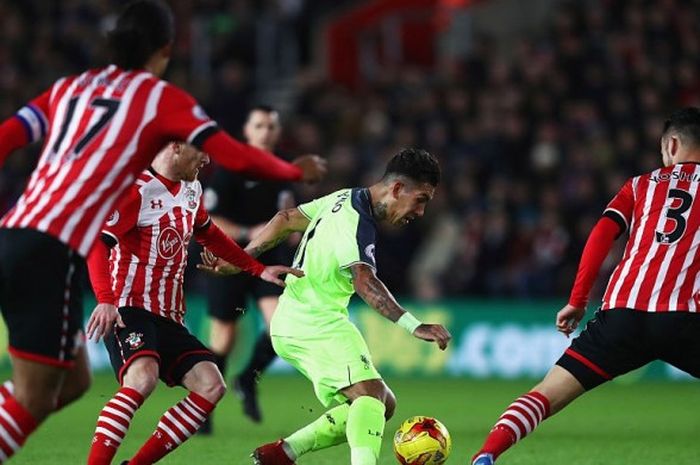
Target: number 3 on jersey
{"points": [[301, 251], [676, 214]]}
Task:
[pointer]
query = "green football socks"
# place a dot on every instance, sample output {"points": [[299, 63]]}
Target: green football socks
{"points": [[365, 427], [326, 431]]}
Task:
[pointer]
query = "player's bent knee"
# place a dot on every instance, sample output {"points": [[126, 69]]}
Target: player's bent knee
{"points": [[213, 391], [211, 387], [206, 380], [142, 375]]}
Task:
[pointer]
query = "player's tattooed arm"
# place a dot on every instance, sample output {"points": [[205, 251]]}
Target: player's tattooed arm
{"points": [[374, 292], [277, 230]]}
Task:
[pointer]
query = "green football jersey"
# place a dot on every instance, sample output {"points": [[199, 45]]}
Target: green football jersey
{"points": [[340, 234]]}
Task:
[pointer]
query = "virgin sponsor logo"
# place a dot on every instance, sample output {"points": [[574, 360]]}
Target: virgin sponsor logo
{"points": [[169, 243]]}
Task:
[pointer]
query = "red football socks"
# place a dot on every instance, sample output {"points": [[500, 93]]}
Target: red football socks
{"points": [[112, 425], [175, 427], [519, 419], [16, 424]]}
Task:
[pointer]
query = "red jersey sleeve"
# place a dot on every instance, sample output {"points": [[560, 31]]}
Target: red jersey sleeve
{"points": [[201, 218], [124, 217], [122, 220], [621, 207], [597, 247], [28, 125], [213, 238], [185, 120], [98, 269]]}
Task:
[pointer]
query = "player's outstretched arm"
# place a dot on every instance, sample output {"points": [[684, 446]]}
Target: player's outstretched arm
{"points": [[236, 156], [28, 125], [105, 314], [598, 245], [236, 258], [277, 230], [376, 295], [186, 121]]}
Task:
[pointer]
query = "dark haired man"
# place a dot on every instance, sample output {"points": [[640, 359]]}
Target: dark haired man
{"points": [[100, 129], [310, 328], [241, 207], [650, 307]]}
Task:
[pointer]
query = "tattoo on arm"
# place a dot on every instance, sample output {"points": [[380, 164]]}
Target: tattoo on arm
{"points": [[265, 246], [277, 230], [374, 292]]}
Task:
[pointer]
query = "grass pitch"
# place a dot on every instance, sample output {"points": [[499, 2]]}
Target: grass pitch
{"points": [[640, 424]]}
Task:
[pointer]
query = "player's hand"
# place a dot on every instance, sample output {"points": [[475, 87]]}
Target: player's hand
{"points": [[568, 319], [102, 321], [314, 168], [215, 266], [433, 333], [271, 274]]}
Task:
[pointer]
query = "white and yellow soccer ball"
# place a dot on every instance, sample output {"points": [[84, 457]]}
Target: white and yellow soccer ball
{"points": [[422, 441]]}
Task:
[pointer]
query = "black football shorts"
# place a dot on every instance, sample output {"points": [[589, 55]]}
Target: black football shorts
{"points": [[41, 297], [227, 296], [620, 340], [147, 334]]}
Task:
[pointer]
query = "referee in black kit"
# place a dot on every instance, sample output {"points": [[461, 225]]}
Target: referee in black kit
{"points": [[241, 207]]}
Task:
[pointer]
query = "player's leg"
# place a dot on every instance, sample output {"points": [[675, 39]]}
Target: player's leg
{"points": [[341, 369], [526, 412], [372, 403], [133, 352], [360, 422], [43, 328], [264, 354], [222, 338], [187, 362], [226, 302], [77, 380], [612, 344], [326, 431]]}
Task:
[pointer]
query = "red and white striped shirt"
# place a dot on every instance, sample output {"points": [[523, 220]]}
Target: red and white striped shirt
{"points": [[149, 233], [100, 130], [660, 269]]}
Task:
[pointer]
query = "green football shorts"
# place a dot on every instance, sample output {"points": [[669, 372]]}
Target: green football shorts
{"points": [[333, 359]]}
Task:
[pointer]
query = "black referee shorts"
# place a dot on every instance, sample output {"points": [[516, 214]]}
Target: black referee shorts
{"points": [[227, 296], [148, 334], [41, 297], [618, 341]]}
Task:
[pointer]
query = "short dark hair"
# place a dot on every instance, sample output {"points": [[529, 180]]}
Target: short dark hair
{"points": [[686, 123], [262, 107], [143, 27], [416, 164]]}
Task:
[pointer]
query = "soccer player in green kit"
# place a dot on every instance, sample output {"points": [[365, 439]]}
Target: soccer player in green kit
{"points": [[311, 329]]}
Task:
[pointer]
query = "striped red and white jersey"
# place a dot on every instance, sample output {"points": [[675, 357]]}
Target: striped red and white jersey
{"points": [[660, 268], [101, 129], [150, 231]]}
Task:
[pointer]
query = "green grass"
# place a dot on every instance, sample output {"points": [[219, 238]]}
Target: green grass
{"points": [[641, 424]]}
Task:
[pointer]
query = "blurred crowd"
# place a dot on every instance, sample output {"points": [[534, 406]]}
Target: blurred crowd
{"points": [[533, 143]]}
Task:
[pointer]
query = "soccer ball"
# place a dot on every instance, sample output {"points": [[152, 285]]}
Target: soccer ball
{"points": [[422, 441]]}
